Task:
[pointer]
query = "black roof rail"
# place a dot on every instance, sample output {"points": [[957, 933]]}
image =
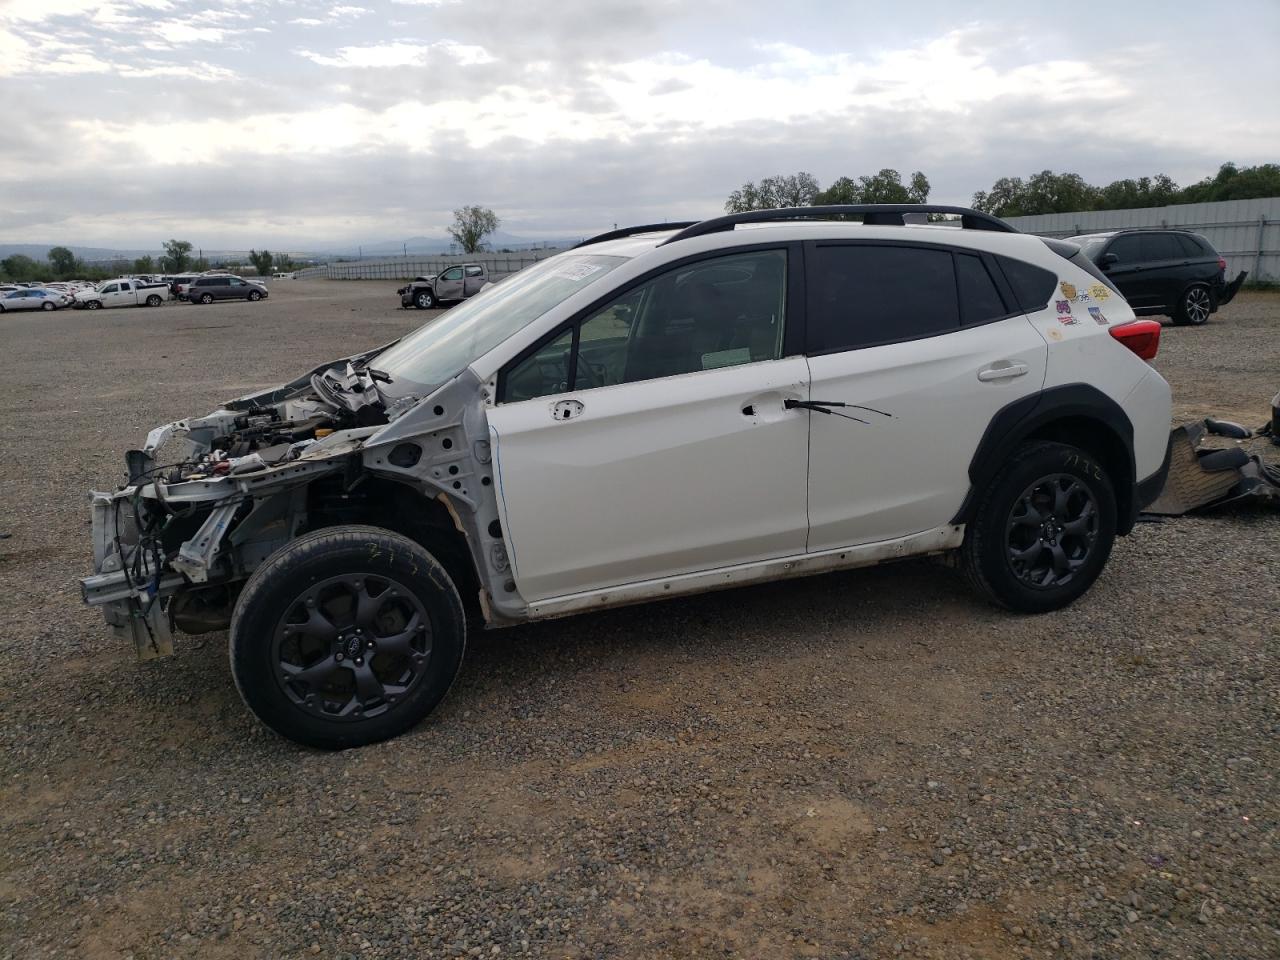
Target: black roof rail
{"points": [[876, 213], [632, 231]]}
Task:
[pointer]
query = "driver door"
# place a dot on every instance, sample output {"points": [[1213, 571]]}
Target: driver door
{"points": [[650, 436], [449, 286]]}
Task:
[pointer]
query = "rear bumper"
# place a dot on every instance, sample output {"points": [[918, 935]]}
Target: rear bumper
{"points": [[1225, 292], [1148, 491]]}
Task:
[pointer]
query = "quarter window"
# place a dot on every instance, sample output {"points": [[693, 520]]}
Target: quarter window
{"points": [[700, 316], [980, 300], [1190, 245], [861, 295]]}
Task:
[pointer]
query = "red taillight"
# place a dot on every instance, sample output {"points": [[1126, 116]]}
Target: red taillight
{"points": [[1222, 264], [1140, 336]]}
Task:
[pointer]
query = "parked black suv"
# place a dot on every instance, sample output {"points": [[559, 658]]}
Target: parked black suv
{"points": [[1170, 272]]}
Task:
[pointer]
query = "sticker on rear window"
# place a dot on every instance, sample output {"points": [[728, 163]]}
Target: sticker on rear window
{"points": [[1068, 290], [576, 271]]}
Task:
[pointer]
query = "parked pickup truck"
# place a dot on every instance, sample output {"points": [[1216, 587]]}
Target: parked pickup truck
{"points": [[455, 284], [122, 293]]}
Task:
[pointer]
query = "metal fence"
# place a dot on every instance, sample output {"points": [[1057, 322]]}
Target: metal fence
{"points": [[1245, 232], [406, 268]]}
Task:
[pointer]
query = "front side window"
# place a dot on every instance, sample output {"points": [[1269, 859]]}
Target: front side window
{"points": [[443, 348], [861, 295], [1127, 249], [453, 273], [111, 288], [699, 316]]}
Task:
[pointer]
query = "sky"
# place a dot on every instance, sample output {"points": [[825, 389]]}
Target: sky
{"points": [[296, 123]]}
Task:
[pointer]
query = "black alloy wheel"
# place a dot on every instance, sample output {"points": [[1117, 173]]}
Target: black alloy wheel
{"points": [[1195, 307], [1042, 529], [1051, 530]]}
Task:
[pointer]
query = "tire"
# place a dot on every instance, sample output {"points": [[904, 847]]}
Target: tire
{"points": [[93, 305], [1194, 306], [424, 300], [255, 296], [1043, 529], [153, 300], [310, 678], [206, 298], [48, 306]]}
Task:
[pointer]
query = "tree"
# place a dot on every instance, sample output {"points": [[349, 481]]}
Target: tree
{"points": [[774, 193], [177, 256], [144, 265], [261, 262], [1234, 183], [1044, 192], [62, 261], [19, 267], [471, 225], [884, 187]]}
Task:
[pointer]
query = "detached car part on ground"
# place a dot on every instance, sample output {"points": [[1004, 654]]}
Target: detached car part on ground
{"points": [[661, 411], [454, 285]]}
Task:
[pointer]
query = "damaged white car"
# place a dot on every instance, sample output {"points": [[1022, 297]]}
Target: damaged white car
{"points": [[661, 411]]}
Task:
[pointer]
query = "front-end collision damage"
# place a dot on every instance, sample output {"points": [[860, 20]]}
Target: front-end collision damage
{"points": [[175, 544]]}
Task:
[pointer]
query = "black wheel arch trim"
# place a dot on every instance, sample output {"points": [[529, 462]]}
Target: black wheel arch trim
{"points": [[1028, 416]]}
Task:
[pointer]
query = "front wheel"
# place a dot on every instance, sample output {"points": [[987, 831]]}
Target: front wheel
{"points": [[153, 300], [48, 306], [93, 305], [1194, 307], [347, 636], [1043, 529], [424, 300], [255, 296]]}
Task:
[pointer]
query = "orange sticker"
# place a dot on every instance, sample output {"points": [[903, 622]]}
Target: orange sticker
{"points": [[1068, 290]]}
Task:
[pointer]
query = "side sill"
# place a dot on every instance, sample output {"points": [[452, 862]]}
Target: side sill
{"points": [[937, 540]]}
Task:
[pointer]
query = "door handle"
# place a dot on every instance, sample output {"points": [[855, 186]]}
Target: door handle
{"points": [[1004, 370]]}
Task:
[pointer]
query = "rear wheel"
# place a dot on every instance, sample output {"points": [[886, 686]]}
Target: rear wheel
{"points": [[206, 298], [153, 300], [424, 299], [48, 306], [1043, 529], [347, 636], [1194, 308]]}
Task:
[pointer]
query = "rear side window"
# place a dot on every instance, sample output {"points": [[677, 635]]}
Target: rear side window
{"points": [[863, 295], [1160, 246], [1032, 286], [980, 300], [1191, 246]]}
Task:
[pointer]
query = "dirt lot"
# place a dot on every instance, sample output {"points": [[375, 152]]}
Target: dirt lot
{"points": [[860, 765]]}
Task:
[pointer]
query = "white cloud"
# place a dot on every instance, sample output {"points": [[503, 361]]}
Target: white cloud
{"points": [[399, 53]]}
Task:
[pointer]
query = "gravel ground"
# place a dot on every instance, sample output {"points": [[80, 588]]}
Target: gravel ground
{"points": [[866, 764]]}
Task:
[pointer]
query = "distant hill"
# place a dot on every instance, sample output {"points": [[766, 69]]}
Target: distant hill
{"points": [[38, 251]]}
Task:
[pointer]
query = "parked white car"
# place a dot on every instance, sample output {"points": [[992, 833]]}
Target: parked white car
{"points": [[660, 411], [125, 292]]}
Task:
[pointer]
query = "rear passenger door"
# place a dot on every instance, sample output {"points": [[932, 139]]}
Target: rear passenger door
{"points": [[1129, 270], [1166, 268], [924, 344], [473, 280]]}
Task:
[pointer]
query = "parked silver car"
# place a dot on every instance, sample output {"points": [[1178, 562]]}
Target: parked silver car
{"points": [[30, 298], [209, 289]]}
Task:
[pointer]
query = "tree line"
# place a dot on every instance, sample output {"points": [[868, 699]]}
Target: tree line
{"points": [[1043, 192], [61, 263]]}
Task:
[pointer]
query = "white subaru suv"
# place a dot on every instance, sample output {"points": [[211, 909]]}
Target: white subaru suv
{"points": [[660, 411]]}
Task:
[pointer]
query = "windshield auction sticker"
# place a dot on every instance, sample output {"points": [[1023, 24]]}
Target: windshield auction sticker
{"points": [[576, 271]]}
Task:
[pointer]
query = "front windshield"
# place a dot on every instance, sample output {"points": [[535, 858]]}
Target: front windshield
{"points": [[443, 348]]}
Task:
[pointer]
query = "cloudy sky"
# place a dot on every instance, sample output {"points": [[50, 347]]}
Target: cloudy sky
{"points": [[297, 122]]}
